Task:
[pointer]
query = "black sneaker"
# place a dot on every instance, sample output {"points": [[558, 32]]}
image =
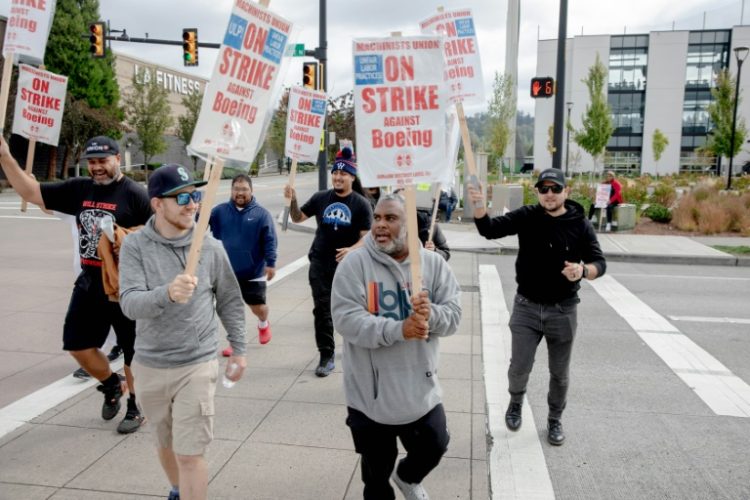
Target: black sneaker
{"points": [[115, 353], [513, 416], [326, 365], [132, 421], [174, 495], [81, 374], [555, 434], [112, 396]]}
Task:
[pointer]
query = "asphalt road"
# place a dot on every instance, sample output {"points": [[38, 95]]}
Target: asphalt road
{"points": [[635, 428]]}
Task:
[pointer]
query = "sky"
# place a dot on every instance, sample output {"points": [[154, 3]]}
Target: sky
{"points": [[348, 19]]}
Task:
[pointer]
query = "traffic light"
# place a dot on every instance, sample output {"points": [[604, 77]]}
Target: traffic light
{"points": [[310, 75], [543, 86], [190, 46], [97, 39]]}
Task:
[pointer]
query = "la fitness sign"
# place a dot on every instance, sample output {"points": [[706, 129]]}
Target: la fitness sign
{"points": [[170, 81]]}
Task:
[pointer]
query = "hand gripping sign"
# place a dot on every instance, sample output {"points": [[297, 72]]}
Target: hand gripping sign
{"points": [[245, 78], [399, 107]]}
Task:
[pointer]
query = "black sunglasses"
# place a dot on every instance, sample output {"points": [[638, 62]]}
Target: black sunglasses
{"points": [[556, 188], [184, 198]]}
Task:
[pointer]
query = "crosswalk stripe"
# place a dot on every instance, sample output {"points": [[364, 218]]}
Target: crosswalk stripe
{"points": [[711, 319], [518, 470], [714, 383]]}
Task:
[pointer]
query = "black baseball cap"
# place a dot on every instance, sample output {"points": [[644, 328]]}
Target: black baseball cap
{"points": [[170, 178], [100, 147], [553, 175]]}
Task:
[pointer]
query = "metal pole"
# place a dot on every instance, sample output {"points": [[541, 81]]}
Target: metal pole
{"points": [[322, 56], [734, 122], [560, 91], [567, 139]]}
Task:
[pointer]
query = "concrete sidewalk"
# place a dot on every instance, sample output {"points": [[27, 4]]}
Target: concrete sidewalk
{"points": [[280, 432]]}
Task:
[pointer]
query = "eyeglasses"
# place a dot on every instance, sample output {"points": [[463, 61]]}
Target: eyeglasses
{"points": [[556, 188], [184, 198]]}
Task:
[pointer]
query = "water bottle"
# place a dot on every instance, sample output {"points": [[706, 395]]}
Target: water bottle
{"points": [[226, 382]]}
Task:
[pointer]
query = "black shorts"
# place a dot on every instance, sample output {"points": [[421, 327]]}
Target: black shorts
{"points": [[253, 292], [89, 318]]}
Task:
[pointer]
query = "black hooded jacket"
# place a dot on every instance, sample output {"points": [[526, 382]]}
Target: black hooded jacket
{"points": [[544, 244]]}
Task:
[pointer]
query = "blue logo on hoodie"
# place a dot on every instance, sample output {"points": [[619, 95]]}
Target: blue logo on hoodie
{"points": [[337, 214]]}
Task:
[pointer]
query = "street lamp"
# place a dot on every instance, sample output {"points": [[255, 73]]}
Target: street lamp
{"points": [[740, 53], [567, 138]]}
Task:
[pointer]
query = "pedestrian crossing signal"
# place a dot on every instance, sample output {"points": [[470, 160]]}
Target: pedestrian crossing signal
{"points": [[96, 39], [542, 86], [190, 46]]}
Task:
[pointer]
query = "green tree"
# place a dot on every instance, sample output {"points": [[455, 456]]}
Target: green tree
{"points": [[721, 112], [148, 112], [597, 125], [92, 103], [502, 109], [186, 123], [276, 137], [659, 143]]}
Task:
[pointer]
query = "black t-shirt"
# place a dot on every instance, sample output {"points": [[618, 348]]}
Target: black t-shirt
{"points": [[125, 202], [340, 220]]}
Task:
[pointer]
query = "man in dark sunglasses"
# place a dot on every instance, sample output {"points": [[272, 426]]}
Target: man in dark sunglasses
{"points": [[557, 248], [177, 323]]}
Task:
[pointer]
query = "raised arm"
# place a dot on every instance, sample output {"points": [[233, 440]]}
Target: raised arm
{"points": [[27, 187]]}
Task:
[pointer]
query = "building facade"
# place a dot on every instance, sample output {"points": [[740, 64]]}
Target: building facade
{"points": [[660, 80]]}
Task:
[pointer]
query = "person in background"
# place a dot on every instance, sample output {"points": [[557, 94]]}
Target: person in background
{"points": [[391, 354], [246, 229], [615, 198], [557, 249], [447, 203], [344, 217]]}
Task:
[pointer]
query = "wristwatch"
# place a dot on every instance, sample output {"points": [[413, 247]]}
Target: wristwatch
{"points": [[585, 272]]}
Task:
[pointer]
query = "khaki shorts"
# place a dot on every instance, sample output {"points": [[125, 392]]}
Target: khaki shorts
{"points": [[179, 403]]}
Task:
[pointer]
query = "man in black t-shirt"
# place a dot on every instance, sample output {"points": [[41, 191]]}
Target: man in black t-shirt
{"points": [[105, 197], [343, 218]]}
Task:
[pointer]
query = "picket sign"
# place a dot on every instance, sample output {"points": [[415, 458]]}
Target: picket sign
{"points": [[288, 201], [435, 201], [30, 161], [215, 165], [412, 231]]}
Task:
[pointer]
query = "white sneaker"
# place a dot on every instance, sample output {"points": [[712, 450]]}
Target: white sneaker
{"points": [[410, 491], [608, 228]]}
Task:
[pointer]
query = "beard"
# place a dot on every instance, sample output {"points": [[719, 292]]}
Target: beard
{"points": [[396, 246], [109, 178]]}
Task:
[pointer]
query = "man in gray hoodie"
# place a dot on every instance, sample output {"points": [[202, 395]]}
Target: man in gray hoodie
{"points": [[177, 327], [391, 346]]}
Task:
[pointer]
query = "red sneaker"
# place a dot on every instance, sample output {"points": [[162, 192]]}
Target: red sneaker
{"points": [[227, 352], [264, 334]]}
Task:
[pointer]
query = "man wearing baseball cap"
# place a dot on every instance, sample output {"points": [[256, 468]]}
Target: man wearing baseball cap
{"points": [[177, 317], [105, 194], [557, 248], [344, 217]]}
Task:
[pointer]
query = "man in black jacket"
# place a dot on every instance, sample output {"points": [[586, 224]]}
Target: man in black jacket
{"points": [[557, 248]]}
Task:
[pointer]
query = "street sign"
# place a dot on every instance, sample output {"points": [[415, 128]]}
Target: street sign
{"points": [[295, 50]]}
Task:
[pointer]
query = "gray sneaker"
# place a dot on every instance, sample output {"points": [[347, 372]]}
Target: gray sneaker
{"points": [[411, 491], [132, 421], [112, 397], [81, 374]]}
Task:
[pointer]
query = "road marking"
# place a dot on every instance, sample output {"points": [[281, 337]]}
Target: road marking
{"points": [[709, 319], [516, 461], [714, 383], [679, 276], [29, 407]]}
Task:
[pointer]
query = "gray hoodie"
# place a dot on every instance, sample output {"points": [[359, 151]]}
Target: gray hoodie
{"points": [[170, 334], [391, 380]]}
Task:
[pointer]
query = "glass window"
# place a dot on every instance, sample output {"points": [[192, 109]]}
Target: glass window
{"points": [[694, 37], [708, 37], [628, 41], [642, 41], [615, 42]]}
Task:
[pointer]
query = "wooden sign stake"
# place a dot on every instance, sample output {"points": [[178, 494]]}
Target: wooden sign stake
{"points": [[199, 232], [436, 198], [288, 201]]}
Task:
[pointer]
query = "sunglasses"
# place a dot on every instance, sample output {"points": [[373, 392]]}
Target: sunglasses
{"points": [[557, 189], [184, 198]]}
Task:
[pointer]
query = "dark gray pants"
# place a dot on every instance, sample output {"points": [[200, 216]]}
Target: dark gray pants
{"points": [[529, 323]]}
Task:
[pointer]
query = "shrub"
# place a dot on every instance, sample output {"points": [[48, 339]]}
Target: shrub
{"points": [[712, 218], [664, 194], [685, 214], [634, 191], [658, 213]]}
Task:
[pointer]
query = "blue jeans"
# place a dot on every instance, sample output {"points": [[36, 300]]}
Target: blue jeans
{"points": [[529, 323]]}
